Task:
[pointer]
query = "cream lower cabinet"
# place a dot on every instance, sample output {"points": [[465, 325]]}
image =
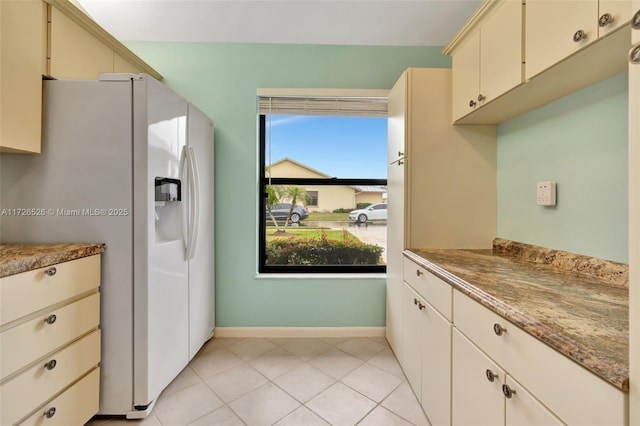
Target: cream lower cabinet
{"points": [[50, 344], [483, 394], [427, 341], [545, 378]]}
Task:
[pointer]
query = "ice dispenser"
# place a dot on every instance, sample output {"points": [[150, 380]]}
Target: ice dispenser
{"points": [[168, 224], [168, 189]]}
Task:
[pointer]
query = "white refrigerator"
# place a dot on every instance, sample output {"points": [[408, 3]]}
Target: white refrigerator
{"points": [[127, 162]]}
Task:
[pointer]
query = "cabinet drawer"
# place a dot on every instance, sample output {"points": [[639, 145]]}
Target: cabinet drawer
{"points": [[570, 391], [435, 291], [36, 385], [73, 407], [33, 339], [25, 293]]}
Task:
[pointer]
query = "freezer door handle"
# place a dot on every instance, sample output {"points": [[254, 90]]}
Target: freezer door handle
{"points": [[194, 201]]}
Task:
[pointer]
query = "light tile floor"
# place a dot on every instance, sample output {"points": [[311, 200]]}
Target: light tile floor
{"points": [[287, 382]]}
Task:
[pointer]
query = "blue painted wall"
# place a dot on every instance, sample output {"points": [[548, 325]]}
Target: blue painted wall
{"points": [[579, 141]]}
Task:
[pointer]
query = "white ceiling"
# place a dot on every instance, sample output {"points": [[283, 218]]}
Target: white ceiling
{"points": [[351, 22]]}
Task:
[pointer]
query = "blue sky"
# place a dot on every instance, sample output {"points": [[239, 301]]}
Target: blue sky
{"points": [[344, 147]]}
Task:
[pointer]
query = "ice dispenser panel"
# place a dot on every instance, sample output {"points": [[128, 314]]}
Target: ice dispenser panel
{"points": [[168, 189]]}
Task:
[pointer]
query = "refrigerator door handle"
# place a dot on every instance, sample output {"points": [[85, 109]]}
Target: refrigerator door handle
{"points": [[194, 200], [186, 224]]}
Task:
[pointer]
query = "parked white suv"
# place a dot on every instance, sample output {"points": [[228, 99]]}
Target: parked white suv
{"points": [[373, 212]]}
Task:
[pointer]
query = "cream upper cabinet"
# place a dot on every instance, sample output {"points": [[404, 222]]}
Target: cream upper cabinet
{"points": [[556, 47], [22, 49], [488, 62], [74, 52], [466, 76], [556, 29], [612, 15]]}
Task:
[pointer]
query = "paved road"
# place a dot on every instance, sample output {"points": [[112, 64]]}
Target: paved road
{"points": [[370, 233]]}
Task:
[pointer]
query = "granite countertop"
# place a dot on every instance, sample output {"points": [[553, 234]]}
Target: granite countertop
{"points": [[17, 258], [579, 306]]}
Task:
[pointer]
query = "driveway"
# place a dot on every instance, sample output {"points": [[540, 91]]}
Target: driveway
{"points": [[370, 232]]}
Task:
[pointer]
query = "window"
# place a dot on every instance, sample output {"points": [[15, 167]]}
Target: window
{"points": [[313, 198], [320, 159]]}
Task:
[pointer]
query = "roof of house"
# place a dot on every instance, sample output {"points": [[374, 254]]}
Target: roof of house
{"points": [[287, 159], [371, 188]]}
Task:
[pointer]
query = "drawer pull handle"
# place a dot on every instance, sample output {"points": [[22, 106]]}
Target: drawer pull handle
{"points": [[419, 272], [50, 271], [507, 391], [50, 412], [50, 319], [498, 329], [491, 376], [51, 364]]}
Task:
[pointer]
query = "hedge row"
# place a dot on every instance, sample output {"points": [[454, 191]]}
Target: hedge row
{"points": [[313, 251]]}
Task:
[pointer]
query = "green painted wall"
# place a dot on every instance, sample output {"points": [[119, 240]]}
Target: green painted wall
{"points": [[579, 141], [221, 79]]}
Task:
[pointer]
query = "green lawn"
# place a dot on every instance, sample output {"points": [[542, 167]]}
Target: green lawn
{"points": [[328, 216], [332, 234]]}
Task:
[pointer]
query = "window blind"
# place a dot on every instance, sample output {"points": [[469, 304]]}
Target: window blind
{"points": [[355, 106]]}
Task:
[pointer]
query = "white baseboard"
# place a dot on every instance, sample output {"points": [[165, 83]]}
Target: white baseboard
{"points": [[299, 332]]}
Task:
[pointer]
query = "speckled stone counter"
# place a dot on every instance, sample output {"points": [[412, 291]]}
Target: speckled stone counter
{"points": [[582, 316], [17, 258]]}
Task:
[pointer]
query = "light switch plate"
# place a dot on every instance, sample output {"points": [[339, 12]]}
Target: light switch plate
{"points": [[546, 193]]}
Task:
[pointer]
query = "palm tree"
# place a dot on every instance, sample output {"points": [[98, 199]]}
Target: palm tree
{"points": [[294, 193], [272, 198]]}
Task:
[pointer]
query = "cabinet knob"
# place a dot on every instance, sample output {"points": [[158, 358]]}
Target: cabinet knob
{"points": [[579, 36], [50, 319], [419, 272], [491, 376], [50, 412], [400, 154], [400, 162], [51, 364], [481, 97], [634, 55], [605, 19], [50, 271], [472, 103], [635, 21], [507, 391], [415, 301], [421, 306], [498, 329]]}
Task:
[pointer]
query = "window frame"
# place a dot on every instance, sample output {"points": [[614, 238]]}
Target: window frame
{"points": [[263, 268]]}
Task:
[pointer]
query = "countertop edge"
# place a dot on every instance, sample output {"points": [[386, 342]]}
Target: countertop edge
{"points": [[617, 375], [56, 253]]}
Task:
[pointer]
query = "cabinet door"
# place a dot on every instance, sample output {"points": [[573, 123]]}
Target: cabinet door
{"points": [[436, 366], [550, 29], [396, 212], [22, 47], [501, 51], [412, 352], [618, 12], [475, 399], [466, 77], [75, 53], [523, 409]]}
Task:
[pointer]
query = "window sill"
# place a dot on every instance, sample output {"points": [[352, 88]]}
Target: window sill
{"points": [[312, 276]]}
